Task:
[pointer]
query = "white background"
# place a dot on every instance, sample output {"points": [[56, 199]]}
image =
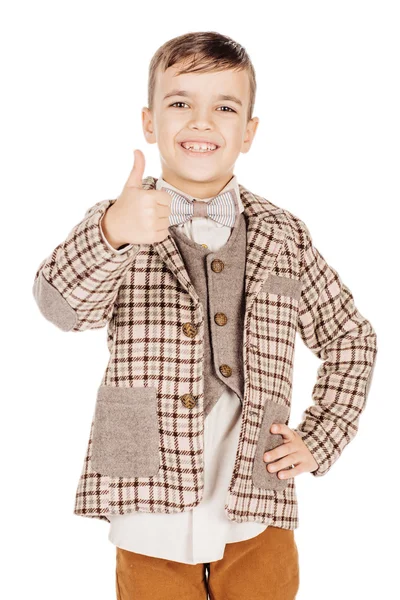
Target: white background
{"points": [[74, 80]]}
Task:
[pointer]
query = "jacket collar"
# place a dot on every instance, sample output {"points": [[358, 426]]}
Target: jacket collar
{"points": [[265, 241]]}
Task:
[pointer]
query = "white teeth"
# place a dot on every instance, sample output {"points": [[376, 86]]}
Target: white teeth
{"points": [[196, 147]]}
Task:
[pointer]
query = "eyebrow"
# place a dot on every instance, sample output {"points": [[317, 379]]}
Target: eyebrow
{"points": [[220, 97]]}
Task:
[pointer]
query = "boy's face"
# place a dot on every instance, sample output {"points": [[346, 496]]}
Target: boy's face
{"points": [[195, 110]]}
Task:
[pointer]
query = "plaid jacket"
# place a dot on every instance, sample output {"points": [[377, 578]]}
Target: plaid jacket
{"points": [[145, 448]]}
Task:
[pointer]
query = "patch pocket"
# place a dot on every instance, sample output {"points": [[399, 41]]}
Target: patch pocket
{"points": [[282, 286], [125, 439], [262, 478]]}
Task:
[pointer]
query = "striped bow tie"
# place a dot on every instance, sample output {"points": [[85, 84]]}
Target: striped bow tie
{"points": [[223, 208]]}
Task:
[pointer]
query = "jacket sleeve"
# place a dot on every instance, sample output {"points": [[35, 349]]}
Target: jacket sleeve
{"points": [[75, 287], [336, 332]]}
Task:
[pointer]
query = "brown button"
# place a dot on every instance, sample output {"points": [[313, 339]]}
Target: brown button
{"points": [[217, 265], [225, 370], [220, 318], [188, 400], [189, 329]]}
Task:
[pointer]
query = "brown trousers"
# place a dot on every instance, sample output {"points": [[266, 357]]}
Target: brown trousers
{"points": [[263, 567]]}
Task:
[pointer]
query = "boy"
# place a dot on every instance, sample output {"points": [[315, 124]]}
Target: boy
{"points": [[203, 286]]}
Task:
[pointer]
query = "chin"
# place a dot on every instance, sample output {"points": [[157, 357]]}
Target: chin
{"points": [[198, 174]]}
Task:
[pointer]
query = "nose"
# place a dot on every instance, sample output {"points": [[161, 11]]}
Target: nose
{"points": [[201, 120], [200, 125]]}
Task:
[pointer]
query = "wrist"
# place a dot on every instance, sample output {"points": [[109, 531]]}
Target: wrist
{"points": [[110, 229]]}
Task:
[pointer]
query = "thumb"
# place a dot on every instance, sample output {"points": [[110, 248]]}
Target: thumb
{"points": [[136, 175]]}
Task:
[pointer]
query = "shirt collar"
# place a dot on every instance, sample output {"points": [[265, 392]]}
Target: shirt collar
{"points": [[232, 183]]}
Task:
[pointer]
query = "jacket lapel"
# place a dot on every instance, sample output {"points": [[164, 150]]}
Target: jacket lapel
{"points": [[264, 243], [169, 253]]}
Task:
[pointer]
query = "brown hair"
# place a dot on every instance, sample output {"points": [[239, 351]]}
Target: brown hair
{"points": [[212, 50]]}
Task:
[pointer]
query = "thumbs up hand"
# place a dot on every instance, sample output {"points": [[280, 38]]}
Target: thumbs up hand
{"points": [[138, 216]]}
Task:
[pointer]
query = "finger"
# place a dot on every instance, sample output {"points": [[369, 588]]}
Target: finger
{"points": [[287, 474], [163, 210], [136, 175], [282, 429], [278, 452], [163, 224], [164, 199], [161, 235], [283, 463]]}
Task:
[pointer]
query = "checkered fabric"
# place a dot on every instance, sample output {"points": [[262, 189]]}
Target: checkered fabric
{"points": [[145, 295]]}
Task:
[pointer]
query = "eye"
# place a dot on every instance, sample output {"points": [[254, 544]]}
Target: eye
{"points": [[228, 107], [231, 109]]}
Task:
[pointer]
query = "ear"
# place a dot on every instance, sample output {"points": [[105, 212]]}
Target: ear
{"points": [[251, 129], [147, 124]]}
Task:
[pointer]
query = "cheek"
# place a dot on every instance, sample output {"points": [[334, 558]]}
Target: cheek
{"points": [[166, 143], [167, 129], [233, 138]]}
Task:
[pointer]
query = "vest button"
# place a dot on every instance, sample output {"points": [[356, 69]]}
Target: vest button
{"points": [[225, 370], [189, 329], [217, 265], [220, 318], [188, 400]]}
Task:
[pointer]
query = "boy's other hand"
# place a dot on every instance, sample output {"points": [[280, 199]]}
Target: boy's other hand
{"points": [[293, 451], [138, 216]]}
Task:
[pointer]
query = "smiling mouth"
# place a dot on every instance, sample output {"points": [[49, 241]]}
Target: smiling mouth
{"points": [[199, 151]]}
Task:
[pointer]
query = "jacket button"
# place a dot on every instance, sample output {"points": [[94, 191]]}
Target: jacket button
{"points": [[220, 318], [189, 329], [204, 245], [188, 400], [217, 265], [225, 370]]}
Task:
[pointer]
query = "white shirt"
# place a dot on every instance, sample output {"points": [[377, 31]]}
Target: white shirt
{"points": [[197, 535]]}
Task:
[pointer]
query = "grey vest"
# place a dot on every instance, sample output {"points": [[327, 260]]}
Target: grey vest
{"points": [[219, 278]]}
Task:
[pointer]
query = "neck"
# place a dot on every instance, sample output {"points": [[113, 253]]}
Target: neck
{"points": [[197, 189]]}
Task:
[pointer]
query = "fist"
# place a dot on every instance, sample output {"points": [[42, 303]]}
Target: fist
{"points": [[138, 216]]}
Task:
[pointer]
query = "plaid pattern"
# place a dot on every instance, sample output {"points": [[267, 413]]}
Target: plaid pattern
{"points": [[145, 294]]}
